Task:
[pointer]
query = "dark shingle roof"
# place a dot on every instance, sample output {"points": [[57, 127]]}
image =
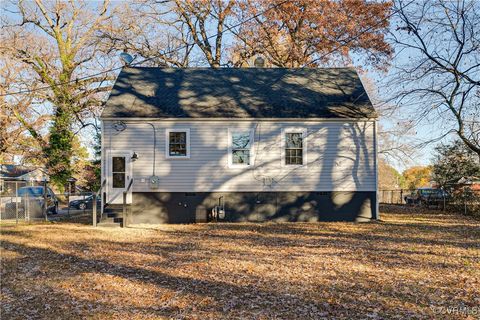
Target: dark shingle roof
{"points": [[13, 171], [142, 92]]}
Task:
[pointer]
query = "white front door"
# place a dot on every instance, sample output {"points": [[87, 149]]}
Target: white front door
{"points": [[119, 170]]}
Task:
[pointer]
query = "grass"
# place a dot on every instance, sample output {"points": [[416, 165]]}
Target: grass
{"points": [[421, 265]]}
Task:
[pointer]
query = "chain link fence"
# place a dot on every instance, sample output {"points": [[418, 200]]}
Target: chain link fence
{"points": [[24, 201], [79, 203], [460, 200], [21, 201], [392, 196]]}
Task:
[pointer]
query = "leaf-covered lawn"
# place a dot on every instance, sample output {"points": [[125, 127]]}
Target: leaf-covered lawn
{"points": [[421, 265]]}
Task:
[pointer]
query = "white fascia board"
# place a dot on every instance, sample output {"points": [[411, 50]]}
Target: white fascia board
{"points": [[133, 119]]}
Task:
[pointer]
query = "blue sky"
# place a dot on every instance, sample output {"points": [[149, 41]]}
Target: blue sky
{"points": [[422, 132]]}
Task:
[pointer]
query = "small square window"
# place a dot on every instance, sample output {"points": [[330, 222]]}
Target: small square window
{"points": [[178, 143]]}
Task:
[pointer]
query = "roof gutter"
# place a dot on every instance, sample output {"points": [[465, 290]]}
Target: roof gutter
{"points": [[240, 119]]}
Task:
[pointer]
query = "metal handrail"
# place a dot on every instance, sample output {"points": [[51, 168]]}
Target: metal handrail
{"points": [[94, 203], [129, 185], [124, 211]]}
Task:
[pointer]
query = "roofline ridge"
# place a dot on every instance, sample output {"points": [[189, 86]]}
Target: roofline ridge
{"points": [[242, 68]]}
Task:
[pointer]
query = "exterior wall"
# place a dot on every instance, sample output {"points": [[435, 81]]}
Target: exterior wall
{"points": [[180, 207], [35, 175], [340, 156]]}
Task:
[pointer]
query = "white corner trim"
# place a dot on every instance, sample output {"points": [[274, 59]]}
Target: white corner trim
{"points": [[375, 145], [167, 143], [304, 132], [230, 148]]}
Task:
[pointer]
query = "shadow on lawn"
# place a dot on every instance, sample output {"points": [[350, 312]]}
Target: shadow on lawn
{"points": [[176, 255], [406, 243], [394, 233], [12, 231], [352, 291], [219, 290]]}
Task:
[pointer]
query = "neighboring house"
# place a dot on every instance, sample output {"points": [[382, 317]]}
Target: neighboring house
{"points": [[473, 183], [262, 143], [9, 173]]}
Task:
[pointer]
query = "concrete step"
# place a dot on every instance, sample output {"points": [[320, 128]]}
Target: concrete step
{"points": [[114, 214], [118, 209], [111, 219], [115, 205], [113, 210]]}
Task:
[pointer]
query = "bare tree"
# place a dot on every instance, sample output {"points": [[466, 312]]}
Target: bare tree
{"points": [[197, 15], [20, 119], [395, 139], [56, 46], [286, 33], [437, 75], [172, 32], [152, 32], [312, 33]]}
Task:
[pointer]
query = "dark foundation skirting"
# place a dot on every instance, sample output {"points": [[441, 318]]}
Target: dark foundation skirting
{"points": [[187, 207]]}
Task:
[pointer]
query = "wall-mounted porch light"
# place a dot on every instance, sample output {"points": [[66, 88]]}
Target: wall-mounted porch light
{"points": [[134, 156]]}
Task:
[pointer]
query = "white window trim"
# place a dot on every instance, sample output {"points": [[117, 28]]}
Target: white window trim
{"points": [[230, 148], [303, 131], [167, 143]]}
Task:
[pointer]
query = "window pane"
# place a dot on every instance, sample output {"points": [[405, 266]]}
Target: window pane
{"points": [[293, 140], [178, 137], [118, 164], [241, 157], [178, 150], [294, 156], [118, 180], [241, 140], [177, 144]]}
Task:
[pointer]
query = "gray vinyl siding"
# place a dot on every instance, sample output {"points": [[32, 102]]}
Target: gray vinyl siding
{"points": [[340, 156]]}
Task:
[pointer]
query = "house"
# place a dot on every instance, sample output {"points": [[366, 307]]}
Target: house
{"points": [[254, 144], [473, 183], [10, 174]]}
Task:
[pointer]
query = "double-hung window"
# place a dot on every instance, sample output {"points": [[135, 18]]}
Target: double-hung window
{"points": [[177, 143], [294, 147], [240, 148]]}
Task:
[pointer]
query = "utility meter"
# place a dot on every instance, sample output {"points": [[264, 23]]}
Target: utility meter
{"points": [[221, 214], [154, 182]]}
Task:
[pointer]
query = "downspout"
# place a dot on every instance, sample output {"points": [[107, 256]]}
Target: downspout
{"points": [[103, 171]]}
